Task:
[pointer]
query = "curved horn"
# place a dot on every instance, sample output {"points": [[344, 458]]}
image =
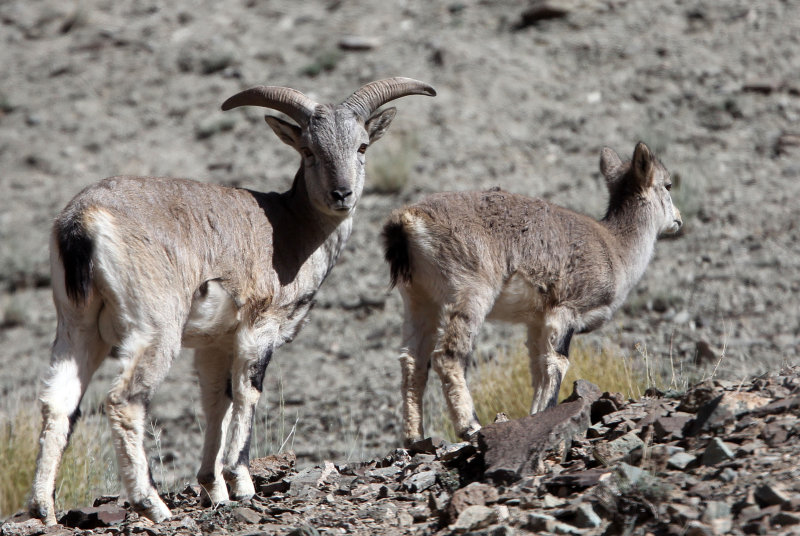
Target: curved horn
{"points": [[372, 96], [284, 99]]}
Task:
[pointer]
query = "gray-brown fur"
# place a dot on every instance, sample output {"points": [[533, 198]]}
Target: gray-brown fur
{"points": [[149, 264], [460, 257]]}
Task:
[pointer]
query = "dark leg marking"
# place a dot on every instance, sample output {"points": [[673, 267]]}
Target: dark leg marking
{"points": [[72, 420], [258, 369], [563, 344], [554, 399], [244, 454]]}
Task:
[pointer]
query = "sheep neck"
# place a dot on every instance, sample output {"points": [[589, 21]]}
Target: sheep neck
{"points": [[632, 226]]}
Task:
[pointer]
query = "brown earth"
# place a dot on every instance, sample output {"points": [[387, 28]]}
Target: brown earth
{"points": [[95, 88]]}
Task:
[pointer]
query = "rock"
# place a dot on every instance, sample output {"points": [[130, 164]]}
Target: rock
{"points": [[455, 451], [682, 513], [423, 446], [497, 530], [670, 428], [771, 494], [704, 353], [698, 396], [310, 479], [385, 474], [609, 452], [717, 452], [722, 410], [785, 519], [246, 515], [695, 528], [538, 522], [421, 481], [585, 517], [475, 493], [305, 530], [359, 43], [680, 460], [585, 390], [515, 449], [272, 468], [214, 125], [274, 487], [779, 406], [94, 517], [404, 519], [630, 475], [603, 407], [540, 11], [717, 514], [774, 434], [22, 525], [474, 517], [564, 483]]}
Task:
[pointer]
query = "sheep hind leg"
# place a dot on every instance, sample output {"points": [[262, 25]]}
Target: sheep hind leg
{"points": [[77, 352], [548, 348], [213, 372], [419, 338], [146, 364], [461, 320]]}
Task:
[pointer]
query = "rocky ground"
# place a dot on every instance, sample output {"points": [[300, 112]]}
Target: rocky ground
{"points": [[526, 99], [718, 459]]}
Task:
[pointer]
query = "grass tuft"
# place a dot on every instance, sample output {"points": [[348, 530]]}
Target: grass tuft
{"points": [[87, 469], [503, 384], [389, 167]]}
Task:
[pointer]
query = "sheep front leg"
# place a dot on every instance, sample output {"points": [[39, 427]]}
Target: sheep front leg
{"points": [[247, 380]]}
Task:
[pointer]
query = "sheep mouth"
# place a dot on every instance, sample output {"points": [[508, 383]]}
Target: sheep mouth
{"points": [[673, 229]]}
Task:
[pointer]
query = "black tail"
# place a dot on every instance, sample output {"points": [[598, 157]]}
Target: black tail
{"points": [[395, 244], [75, 248]]}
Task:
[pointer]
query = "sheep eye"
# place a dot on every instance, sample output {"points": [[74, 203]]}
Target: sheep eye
{"points": [[668, 186], [306, 152], [363, 148]]}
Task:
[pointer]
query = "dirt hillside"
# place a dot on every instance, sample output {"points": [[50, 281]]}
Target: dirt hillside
{"points": [[96, 88]]}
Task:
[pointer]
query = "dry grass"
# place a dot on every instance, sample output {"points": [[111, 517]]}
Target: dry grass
{"points": [[390, 164], [87, 469], [503, 384]]}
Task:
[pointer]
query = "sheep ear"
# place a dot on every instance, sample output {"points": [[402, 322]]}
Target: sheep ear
{"points": [[378, 124], [287, 132], [610, 164], [642, 165]]}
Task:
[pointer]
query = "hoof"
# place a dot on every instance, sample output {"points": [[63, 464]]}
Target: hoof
{"points": [[470, 433], [154, 509], [241, 485], [213, 492], [46, 513]]}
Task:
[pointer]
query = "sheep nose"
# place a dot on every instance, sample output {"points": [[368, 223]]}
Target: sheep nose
{"points": [[340, 194]]}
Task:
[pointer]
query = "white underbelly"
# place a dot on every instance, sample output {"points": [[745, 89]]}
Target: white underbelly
{"points": [[518, 302], [213, 315]]}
